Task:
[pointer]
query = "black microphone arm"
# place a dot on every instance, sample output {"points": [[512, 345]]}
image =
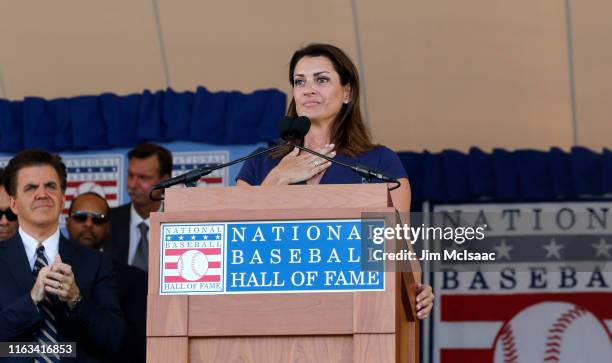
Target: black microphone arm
{"points": [[364, 171], [290, 129], [192, 177]]}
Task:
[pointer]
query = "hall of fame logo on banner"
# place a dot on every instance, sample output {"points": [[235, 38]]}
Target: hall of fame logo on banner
{"points": [[187, 161], [101, 174], [192, 258], [545, 298]]}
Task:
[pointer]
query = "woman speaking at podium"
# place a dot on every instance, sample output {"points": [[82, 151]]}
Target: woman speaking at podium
{"points": [[326, 90]]}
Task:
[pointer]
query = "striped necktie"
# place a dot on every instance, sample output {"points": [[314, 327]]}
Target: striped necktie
{"points": [[47, 332]]}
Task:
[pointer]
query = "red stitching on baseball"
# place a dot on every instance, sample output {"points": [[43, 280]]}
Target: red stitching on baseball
{"points": [[179, 265], [560, 325], [508, 344], [511, 350], [193, 268], [507, 340], [555, 333], [510, 357]]}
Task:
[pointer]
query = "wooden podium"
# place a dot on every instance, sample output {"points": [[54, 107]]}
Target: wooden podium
{"points": [[285, 327]]}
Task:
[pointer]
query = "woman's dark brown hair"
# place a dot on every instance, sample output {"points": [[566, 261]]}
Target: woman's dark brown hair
{"points": [[348, 131]]}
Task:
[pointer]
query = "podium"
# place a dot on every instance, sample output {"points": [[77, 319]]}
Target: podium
{"points": [[364, 326]]}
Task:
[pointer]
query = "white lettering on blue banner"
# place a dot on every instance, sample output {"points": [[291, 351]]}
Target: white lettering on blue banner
{"points": [[265, 257]]}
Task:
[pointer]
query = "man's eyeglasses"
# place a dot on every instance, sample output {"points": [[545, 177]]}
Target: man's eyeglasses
{"points": [[96, 218], [10, 216]]}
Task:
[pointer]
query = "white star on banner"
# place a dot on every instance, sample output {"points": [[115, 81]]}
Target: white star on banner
{"points": [[193, 237], [181, 237], [503, 250], [602, 248], [553, 249]]}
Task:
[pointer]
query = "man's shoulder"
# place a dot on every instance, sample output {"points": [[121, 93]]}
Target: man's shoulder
{"points": [[14, 239], [122, 209], [120, 221], [86, 257], [12, 247]]}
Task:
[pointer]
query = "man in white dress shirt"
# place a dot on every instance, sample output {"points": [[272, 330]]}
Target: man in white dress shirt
{"points": [[53, 290], [128, 241]]}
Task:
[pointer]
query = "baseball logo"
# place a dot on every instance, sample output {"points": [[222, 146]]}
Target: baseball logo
{"points": [[192, 265], [557, 332], [90, 187]]}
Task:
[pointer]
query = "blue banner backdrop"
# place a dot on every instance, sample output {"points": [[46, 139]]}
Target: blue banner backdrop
{"points": [[522, 175], [109, 121], [224, 118]]}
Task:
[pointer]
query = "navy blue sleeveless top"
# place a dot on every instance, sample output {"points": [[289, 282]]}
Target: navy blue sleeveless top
{"points": [[381, 158]]}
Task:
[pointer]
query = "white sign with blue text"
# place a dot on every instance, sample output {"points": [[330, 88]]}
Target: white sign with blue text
{"points": [[266, 257]]}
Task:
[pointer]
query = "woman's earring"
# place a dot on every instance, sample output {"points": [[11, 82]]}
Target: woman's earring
{"points": [[346, 102]]}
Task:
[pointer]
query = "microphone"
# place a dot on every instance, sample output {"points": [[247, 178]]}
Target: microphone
{"points": [[302, 124], [293, 128], [288, 128]]}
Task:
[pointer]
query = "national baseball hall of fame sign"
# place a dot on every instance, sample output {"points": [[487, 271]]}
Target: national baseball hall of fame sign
{"points": [[547, 297], [266, 257]]}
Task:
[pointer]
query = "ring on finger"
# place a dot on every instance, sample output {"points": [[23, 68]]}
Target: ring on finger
{"points": [[59, 287]]}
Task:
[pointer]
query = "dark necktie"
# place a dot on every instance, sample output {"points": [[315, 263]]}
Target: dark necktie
{"points": [[48, 331], [141, 258]]}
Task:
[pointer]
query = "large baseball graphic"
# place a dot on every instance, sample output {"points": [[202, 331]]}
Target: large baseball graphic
{"points": [[90, 187], [192, 265], [554, 332]]}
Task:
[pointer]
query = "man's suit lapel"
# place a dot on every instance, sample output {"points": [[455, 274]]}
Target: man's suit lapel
{"points": [[13, 256], [69, 254], [124, 219]]}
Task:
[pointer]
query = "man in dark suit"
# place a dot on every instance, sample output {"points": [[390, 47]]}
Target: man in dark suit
{"points": [[88, 224], [53, 290], [8, 220], [128, 238]]}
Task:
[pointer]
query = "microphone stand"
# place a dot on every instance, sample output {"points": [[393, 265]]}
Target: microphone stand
{"points": [[365, 172], [191, 178]]}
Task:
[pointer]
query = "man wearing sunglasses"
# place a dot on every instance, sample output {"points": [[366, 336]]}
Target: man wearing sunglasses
{"points": [[52, 289], [8, 219], [88, 224]]}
